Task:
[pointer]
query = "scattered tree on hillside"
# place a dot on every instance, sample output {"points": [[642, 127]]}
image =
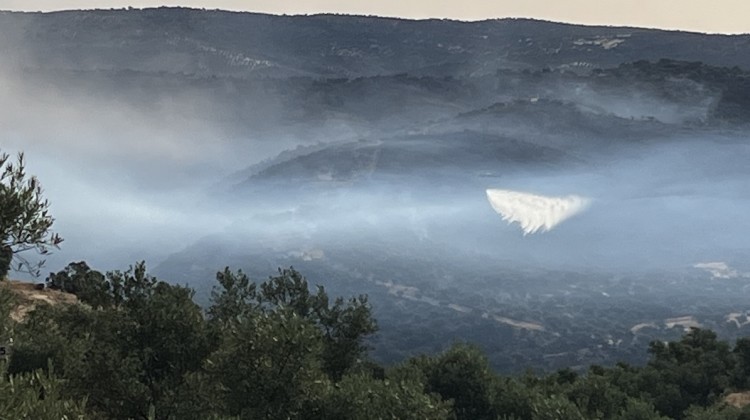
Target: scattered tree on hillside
{"points": [[25, 221]]}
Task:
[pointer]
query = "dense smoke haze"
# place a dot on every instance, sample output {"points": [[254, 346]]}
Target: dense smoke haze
{"points": [[121, 180], [130, 181]]}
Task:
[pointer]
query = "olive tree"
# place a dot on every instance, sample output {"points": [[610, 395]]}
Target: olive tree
{"points": [[25, 221]]}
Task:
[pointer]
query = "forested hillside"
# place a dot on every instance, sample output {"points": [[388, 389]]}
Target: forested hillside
{"points": [[137, 347]]}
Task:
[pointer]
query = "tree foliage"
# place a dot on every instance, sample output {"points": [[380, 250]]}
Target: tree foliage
{"points": [[268, 366], [360, 396], [90, 286], [37, 395], [343, 324], [25, 222], [126, 355], [138, 347], [694, 370], [461, 375]]}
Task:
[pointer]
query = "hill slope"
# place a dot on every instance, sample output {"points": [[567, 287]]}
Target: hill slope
{"points": [[28, 296]]}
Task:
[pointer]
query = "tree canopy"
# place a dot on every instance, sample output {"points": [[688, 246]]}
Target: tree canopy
{"points": [[25, 221], [138, 347]]}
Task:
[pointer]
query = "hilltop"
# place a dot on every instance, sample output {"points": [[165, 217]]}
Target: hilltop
{"points": [[29, 295], [219, 43]]}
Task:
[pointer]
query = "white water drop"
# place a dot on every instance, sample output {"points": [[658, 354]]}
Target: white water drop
{"points": [[535, 213]]}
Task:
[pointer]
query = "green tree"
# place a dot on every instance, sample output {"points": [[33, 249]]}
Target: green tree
{"points": [[596, 396], [126, 358], [360, 397], [461, 375], [514, 399], [636, 409], [200, 396], [268, 366], [693, 371], [741, 374], [90, 286], [555, 407], [37, 395], [235, 297], [717, 412], [344, 324], [25, 221]]}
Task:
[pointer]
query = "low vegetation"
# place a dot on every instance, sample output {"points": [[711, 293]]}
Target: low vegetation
{"points": [[132, 346]]}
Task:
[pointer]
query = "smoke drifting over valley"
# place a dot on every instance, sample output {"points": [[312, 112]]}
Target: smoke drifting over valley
{"points": [[363, 152], [141, 164], [120, 178]]}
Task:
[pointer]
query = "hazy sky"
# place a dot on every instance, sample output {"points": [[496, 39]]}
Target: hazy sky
{"points": [[725, 16]]}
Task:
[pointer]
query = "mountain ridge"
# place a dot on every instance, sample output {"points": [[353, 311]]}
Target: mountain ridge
{"points": [[252, 45], [379, 17]]}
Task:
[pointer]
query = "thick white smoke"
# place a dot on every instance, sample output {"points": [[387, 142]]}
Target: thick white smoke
{"points": [[535, 213]]}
